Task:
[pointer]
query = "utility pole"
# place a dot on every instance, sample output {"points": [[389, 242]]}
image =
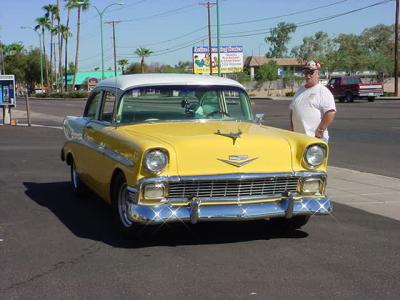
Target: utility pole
{"points": [[218, 42], [396, 51], [208, 4], [115, 53]]}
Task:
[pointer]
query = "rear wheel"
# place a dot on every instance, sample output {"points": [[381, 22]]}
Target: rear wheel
{"points": [[291, 224], [371, 99]]}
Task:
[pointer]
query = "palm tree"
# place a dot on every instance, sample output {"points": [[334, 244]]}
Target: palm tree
{"points": [[80, 6], [59, 38], [64, 33], [42, 24], [123, 62], [51, 13], [143, 52], [68, 5]]}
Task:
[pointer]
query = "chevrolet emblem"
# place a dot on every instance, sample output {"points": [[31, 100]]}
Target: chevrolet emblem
{"points": [[238, 160]]}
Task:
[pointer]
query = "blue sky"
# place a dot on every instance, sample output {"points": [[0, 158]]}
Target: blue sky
{"points": [[171, 27]]}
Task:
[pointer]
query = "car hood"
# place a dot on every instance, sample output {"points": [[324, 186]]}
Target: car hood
{"points": [[213, 147]]}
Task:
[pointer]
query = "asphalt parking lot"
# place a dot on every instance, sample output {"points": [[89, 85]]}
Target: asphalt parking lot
{"points": [[54, 245]]}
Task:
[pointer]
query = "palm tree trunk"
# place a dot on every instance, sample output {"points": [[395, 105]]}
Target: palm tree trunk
{"points": [[66, 52], [59, 47], [142, 64], [77, 48], [51, 53], [45, 59]]}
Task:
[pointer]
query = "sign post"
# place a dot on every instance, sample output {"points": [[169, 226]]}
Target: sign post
{"points": [[7, 96]]}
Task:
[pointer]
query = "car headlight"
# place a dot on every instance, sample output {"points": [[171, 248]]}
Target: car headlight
{"points": [[314, 155], [155, 160]]}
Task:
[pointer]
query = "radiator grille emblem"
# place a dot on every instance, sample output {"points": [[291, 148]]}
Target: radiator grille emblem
{"points": [[238, 160]]}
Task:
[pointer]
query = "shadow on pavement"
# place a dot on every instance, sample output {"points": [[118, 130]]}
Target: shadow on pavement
{"points": [[90, 218]]}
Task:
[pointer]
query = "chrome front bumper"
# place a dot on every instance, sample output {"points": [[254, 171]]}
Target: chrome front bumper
{"points": [[195, 212]]}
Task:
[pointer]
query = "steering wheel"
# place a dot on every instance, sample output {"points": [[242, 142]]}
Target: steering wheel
{"points": [[218, 112]]}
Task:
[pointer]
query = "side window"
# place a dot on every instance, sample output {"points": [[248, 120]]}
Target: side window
{"points": [[93, 105], [108, 106]]}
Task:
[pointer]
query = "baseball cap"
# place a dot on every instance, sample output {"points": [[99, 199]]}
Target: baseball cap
{"points": [[312, 65]]}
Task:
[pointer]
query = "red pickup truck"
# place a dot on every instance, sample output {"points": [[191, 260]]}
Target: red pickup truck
{"points": [[348, 88]]}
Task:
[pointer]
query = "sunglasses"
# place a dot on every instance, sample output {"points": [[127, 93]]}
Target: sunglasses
{"points": [[309, 72]]}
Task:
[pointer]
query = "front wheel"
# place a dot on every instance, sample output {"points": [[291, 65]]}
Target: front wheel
{"points": [[120, 206], [77, 185], [291, 224], [349, 97]]}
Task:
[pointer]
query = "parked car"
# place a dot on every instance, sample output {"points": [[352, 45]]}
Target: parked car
{"points": [[166, 148], [348, 88]]}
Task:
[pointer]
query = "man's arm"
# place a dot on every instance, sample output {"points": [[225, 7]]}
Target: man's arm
{"points": [[326, 121]]}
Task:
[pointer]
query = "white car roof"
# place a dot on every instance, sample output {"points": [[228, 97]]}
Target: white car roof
{"points": [[128, 81]]}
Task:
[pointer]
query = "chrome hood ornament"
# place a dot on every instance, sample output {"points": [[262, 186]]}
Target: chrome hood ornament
{"points": [[233, 135], [238, 160]]}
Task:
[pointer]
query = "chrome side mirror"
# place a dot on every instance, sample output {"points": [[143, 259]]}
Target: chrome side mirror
{"points": [[259, 118]]}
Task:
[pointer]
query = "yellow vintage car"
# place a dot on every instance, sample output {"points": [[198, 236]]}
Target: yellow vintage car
{"points": [[166, 148]]}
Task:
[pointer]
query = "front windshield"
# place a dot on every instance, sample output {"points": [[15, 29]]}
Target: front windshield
{"points": [[164, 103]]}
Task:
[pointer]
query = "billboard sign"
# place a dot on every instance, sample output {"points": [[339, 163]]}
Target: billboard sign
{"points": [[231, 59], [7, 90]]}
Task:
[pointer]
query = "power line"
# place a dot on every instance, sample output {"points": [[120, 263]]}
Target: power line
{"points": [[285, 15], [305, 23], [300, 24], [244, 22], [166, 13]]}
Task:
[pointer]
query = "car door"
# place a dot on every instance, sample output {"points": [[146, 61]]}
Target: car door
{"points": [[99, 134], [84, 152], [334, 87]]}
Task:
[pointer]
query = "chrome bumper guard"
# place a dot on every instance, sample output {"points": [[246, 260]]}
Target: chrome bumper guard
{"points": [[195, 212]]}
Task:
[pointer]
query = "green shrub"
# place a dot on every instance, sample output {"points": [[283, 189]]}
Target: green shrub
{"points": [[57, 95], [289, 94], [41, 95], [388, 94], [78, 94]]}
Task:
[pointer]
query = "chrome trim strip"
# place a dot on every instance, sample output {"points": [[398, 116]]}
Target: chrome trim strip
{"points": [[187, 121], [100, 148], [224, 199]]}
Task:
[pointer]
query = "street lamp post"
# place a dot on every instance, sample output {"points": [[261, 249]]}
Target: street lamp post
{"points": [[41, 56], [101, 33]]}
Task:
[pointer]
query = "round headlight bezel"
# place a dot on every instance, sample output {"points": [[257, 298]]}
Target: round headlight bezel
{"points": [[161, 153], [309, 163]]}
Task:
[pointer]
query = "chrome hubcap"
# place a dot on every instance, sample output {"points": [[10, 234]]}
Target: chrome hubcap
{"points": [[123, 206]]}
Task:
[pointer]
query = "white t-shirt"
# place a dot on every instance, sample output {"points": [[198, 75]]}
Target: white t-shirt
{"points": [[309, 106]]}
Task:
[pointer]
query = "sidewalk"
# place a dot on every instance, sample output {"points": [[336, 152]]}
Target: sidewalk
{"points": [[370, 192]]}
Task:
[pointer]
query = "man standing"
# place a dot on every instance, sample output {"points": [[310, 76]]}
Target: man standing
{"points": [[313, 107]]}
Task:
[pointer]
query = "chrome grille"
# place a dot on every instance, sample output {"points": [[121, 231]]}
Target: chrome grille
{"points": [[232, 189]]}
